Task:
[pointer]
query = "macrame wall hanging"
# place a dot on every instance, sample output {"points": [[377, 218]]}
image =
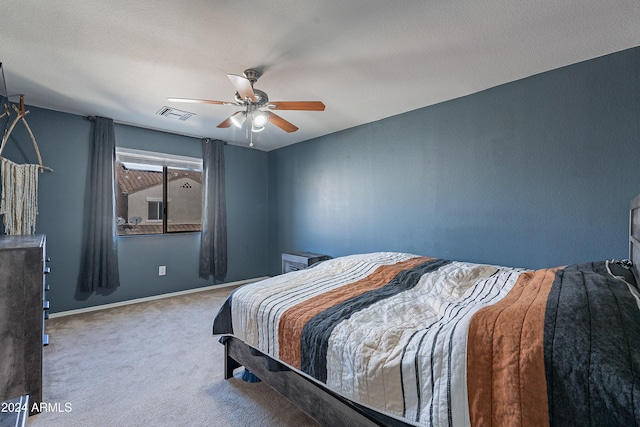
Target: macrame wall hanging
{"points": [[19, 203]]}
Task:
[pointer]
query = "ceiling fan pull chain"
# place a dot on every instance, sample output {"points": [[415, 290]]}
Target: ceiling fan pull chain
{"points": [[248, 134]]}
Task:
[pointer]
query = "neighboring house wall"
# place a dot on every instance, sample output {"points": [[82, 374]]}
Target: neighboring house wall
{"points": [[184, 202], [138, 203], [534, 173]]}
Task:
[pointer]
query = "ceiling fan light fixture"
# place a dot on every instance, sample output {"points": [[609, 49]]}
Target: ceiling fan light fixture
{"points": [[255, 128], [238, 119], [259, 119]]}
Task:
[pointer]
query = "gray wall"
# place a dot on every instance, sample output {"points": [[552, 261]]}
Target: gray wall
{"points": [[64, 143], [534, 173]]}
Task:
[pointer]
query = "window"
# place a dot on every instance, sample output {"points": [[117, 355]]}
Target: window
{"points": [[157, 193], [155, 210]]}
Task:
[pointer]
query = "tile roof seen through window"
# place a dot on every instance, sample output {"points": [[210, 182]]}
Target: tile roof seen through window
{"points": [[131, 181]]}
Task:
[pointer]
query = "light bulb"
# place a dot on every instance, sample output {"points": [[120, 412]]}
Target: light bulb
{"points": [[259, 119]]}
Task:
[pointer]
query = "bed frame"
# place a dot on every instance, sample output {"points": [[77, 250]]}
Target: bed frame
{"points": [[329, 408], [320, 403]]}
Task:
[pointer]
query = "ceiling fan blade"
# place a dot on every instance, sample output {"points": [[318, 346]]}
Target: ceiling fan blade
{"points": [[280, 122], [225, 123], [198, 101], [297, 105], [243, 86]]}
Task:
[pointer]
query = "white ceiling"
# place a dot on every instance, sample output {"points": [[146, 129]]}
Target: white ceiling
{"points": [[365, 59]]}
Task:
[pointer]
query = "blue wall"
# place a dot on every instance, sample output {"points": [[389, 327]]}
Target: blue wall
{"points": [[534, 173], [64, 143]]}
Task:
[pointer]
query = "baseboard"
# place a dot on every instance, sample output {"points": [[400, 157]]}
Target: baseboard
{"points": [[152, 298]]}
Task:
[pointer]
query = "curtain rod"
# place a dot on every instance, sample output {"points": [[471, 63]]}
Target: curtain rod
{"points": [[93, 118], [215, 139]]}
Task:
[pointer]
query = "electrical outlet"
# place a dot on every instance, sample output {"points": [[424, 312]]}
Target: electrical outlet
{"points": [[162, 270]]}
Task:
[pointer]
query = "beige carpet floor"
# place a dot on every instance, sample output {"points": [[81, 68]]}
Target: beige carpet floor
{"points": [[151, 364]]}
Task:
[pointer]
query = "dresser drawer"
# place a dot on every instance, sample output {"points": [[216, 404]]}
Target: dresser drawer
{"points": [[22, 311]]}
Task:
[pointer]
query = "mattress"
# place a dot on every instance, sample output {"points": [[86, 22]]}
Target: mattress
{"points": [[433, 342]]}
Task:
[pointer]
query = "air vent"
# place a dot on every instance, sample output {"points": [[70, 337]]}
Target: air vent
{"points": [[174, 113]]}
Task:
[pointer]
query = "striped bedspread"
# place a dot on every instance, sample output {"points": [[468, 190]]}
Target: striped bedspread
{"points": [[433, 342]]}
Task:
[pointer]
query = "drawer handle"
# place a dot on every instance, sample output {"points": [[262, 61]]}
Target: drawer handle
{"points": [[47, 270]]}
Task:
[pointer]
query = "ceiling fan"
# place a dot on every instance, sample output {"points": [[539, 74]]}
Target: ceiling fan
{"points": [[253, 101]]}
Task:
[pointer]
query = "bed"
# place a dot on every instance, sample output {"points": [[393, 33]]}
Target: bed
{"points": [[401, 339]]}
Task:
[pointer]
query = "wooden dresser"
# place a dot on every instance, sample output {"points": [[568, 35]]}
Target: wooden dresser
{"points": [[22, 313]]}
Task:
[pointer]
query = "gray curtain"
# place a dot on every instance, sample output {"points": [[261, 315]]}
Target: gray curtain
{"points": [[213, 243], [100, 261]]}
